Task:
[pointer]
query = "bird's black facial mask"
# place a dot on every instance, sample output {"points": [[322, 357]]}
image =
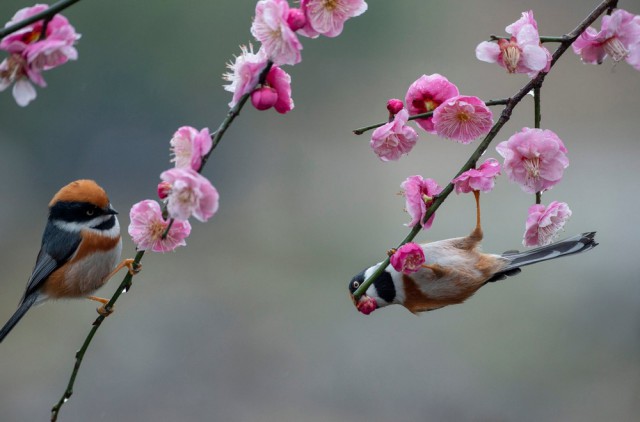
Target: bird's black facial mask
{"points": [[385, 288], [356, 282]]}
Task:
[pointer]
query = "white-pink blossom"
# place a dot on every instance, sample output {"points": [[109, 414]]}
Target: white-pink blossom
{"points": [[522, 52], [148, 226], [327, 17], [534, 158], [481, 179], [191, 194], [391, 140], [545, 223], [189, 146], [619, 38], [270, 27], [244, 72]]}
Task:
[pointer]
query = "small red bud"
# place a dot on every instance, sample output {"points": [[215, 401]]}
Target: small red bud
{"points": [[296, 19], [164, 189], [394, 105], [264, 98]]}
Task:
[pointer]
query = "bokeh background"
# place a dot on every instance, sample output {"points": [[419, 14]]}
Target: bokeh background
{"points": [[252, 321]]}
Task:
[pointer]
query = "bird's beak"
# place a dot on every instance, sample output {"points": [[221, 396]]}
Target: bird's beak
{"points": [[110, 210]]}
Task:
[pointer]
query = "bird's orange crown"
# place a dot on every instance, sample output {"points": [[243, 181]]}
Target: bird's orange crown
{"points": [[82, 191]]}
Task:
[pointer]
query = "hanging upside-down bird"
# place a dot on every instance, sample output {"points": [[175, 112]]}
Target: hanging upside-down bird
{"points": [[453, 271], [81, 246]]}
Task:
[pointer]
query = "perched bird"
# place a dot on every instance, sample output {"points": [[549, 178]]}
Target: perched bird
{"points": [[453, 271], [80, 249]]}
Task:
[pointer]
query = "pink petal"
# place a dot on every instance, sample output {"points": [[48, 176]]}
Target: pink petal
{"points": [[23, 92], [534, 57], [488, 52]]}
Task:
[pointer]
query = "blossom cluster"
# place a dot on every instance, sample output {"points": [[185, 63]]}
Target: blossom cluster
{"points": [[32, 50], [535, 159], [184, 191], [276, 26], [458, 117]]}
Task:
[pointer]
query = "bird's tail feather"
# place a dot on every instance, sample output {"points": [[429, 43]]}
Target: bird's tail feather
{"points": [[576, 244], [22, 309]]}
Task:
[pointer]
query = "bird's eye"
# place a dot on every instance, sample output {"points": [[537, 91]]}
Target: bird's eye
{"points": [[356, 284], [90, 213]]}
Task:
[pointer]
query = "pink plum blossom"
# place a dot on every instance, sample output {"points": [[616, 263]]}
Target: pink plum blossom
{"points": [[395, 138], [271, 28], [522, 52], [280, 81], [462, 119], [189, 146], [534, 158], [191, 194], [426, 94], [544, 223], [147, 227], [366, 305], [419, 194], [479, 179], [32, 52], [408, 258], [619, 37], [327, 17], [244, 72], [51, 50]]}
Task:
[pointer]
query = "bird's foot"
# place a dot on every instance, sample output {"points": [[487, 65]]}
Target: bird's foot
{"points": [[102, 310]]}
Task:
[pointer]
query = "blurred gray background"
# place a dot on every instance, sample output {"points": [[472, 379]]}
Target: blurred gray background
{"points": [[252, 321]]}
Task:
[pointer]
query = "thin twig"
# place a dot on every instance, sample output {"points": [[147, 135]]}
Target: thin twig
{"points": [[537, 119], [542, 39], [126, 283], [362, 130], [124, 286], [504, 117], [45, 14]]}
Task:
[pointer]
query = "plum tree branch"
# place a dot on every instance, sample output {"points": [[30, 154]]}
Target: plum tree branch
{"points": [[512, 102], [45, 14]]}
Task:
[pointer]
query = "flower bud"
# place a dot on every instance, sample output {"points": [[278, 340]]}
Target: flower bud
{"points": [[296, 19], [264, 98], [164, 189], [394, 105]]}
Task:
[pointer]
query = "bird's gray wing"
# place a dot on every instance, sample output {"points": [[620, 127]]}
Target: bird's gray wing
{"points": [[57, 247]]}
